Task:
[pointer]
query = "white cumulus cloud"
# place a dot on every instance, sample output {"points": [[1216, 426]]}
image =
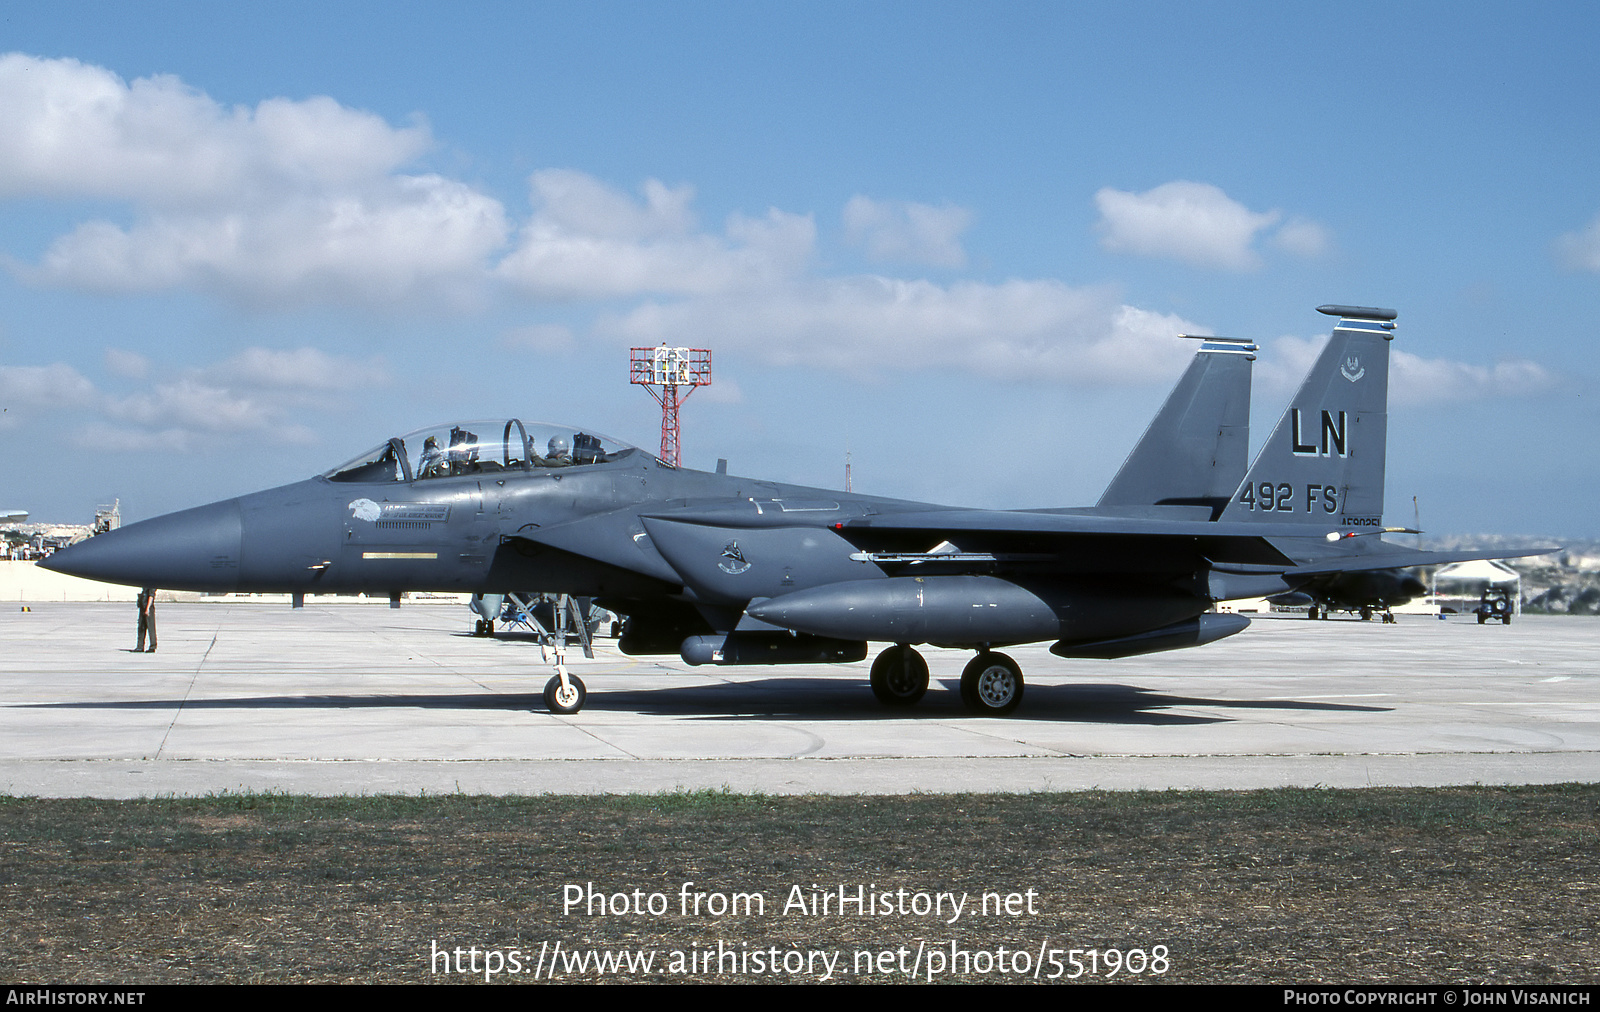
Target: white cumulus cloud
{"points": [[1302, 237], [1198, 224], [71, 129], [257, 393], [1023, 330], [578, 203], [289, 201], [29, 389], [1580, 251], [406, 239], [295, 202], [1416, 380], [128, 364], [907, 232], [190, 404], [307, 370], [587, 240], [1413, 380]]}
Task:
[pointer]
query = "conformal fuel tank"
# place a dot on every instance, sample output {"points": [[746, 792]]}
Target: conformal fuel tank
{"points": [[973, 610], [910, 609]]}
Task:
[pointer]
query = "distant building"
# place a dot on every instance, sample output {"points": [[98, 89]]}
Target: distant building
{"points": [[1459, 587]]}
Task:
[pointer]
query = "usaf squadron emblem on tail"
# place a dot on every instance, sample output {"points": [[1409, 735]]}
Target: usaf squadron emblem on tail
{"points": [[727, 570]]}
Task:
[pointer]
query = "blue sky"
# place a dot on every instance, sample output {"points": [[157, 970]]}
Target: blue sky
{"points": [[240, 246]]}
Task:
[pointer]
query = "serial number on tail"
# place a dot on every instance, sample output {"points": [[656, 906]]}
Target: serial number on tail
{"points": [[1273, 497]]}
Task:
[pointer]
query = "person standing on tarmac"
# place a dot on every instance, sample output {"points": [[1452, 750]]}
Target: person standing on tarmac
{"points": [[147, 620]]}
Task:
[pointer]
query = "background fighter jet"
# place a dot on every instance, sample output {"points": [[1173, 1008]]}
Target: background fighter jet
{"points": [[728, 570], [1368, 592]]}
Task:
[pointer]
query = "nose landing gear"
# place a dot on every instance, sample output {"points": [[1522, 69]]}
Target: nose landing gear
{"points": [[564, 693]]}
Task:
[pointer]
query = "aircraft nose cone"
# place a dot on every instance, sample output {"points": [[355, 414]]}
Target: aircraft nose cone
{"points": [[195, 549]]}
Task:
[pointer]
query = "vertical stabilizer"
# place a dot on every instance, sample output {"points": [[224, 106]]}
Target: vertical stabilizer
{"points": [[1195, 450], [1323, 464]]}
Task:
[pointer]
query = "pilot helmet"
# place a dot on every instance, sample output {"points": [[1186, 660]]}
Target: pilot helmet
{"points": [[558, 446]]}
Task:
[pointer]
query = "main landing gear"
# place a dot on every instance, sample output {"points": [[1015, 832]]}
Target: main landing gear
{"points": [[991, 685], [899, 676]]}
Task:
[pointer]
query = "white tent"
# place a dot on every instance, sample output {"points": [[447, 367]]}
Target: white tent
{"points": [[1458, 587], [1478, 572]]}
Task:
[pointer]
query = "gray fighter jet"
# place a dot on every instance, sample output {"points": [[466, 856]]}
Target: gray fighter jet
{"points": [[1368, 593], [728, 570]]}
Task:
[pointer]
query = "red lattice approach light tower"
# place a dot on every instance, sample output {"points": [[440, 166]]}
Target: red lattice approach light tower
{"points": [[676, 371]]}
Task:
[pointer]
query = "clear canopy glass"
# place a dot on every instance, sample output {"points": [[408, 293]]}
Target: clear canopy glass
{"points": [[479, 447]]}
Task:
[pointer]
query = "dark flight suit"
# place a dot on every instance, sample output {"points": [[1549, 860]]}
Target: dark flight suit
{"points": [[147, 619]]}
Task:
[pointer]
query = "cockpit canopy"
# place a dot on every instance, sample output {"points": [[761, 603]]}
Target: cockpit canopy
{"points": [[479, 447]]}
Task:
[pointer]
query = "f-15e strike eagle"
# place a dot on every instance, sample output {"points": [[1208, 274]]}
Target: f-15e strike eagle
{"points": [[727, 570]]}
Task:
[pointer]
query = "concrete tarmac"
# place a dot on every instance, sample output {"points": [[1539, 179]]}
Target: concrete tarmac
{"points": [[361, 699]]}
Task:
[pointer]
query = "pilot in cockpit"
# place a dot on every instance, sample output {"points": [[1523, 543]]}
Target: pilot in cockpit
{"points": [[463, 455], [433, 463], [559, 453]]}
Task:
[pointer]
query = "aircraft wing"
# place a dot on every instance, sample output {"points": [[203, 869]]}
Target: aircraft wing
{"points": [[1030, 522], [1257, 546], [685, 544], [1396, 557], [1092, 541]]}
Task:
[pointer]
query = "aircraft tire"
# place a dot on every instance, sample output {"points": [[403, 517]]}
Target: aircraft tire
{"points": [[559, 702], [1311, 613], [991, 685], [899, 676]]}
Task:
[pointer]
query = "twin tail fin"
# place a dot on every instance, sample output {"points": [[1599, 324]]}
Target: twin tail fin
{"points": [[1323, 465]]}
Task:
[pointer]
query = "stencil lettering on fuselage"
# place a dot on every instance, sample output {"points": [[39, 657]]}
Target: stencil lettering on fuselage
{"points": [[366, 509]]}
